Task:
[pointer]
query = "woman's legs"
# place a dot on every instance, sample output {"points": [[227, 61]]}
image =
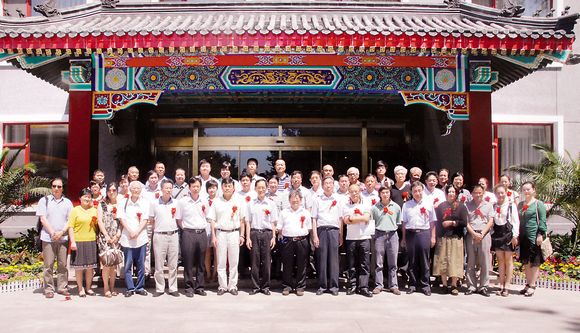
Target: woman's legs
{"points": [[112, 277], [501, 268], [105, 271], [88, 279], [79, 277], [444, 280], [454, 281], [509, 268]]}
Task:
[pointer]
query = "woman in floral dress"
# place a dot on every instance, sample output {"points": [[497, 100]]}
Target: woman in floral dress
{"points": [[110, 254]]}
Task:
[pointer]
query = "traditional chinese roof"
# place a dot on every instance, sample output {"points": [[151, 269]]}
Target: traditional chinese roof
{"points": [[286, 24]]}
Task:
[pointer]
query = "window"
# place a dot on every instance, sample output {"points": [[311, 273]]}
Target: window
{"points": [[47, 147], [515, 143]]}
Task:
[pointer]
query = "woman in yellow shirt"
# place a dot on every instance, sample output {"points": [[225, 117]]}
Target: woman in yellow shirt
{"points": [[82, 227]]}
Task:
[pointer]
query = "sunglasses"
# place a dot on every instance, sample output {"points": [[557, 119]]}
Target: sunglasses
{"points": [[56, 186]]}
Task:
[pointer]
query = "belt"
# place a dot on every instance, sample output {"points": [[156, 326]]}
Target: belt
{"points": [[416, 230], [260, 230], [327, 227], [166, 232], [228, 230], [295, 239], [197, 231], [388, 231]]}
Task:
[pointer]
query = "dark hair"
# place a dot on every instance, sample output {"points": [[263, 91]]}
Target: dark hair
{"points": [[93, 183], [297, 172], [226, 165], [384, 188], [85, 191], [448, 187], [107, 193], [165, 181], [260, 180], [226, 181], [505, 175], [531, 183], [123, 177], [274, 177], [370, 175], [194, 180], [443, 169], [151, 173], [98, 170], [431, 173], [380, 163], [159, 162], [315, 172], [416, 184], [476, 186], [342, 175], [251, 159], [204, 161], [458, 174], [244, 175], [327, 177], [212, 183], [55, 179]]}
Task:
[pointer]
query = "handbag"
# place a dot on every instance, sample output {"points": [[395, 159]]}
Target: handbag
{"points": [[111, 256], [498, 242], [546, 246]]}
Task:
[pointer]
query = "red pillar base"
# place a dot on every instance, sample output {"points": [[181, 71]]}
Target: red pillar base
{"points": [[478, 139]]}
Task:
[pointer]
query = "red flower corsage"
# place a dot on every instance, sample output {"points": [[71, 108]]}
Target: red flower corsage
{"points": [[267, 212], [405, 196], [234, 210], [509, 194], [248, 198], [436, 200], [498, 210], [203, 208], [114, 211], [95, 203], [463, 198], [374, 202], [524, 208], [302, 219], [387, 211], [357, 212], [94, 221], [126, 195], [423, 211], [157, 195], [173, 212], [487, 199], [478, 212], [333, 203], [139, 217], [210, 202], [447, 213]]}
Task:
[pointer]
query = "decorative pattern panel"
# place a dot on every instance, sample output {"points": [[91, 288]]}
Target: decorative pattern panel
{"points": [[105, 103]]}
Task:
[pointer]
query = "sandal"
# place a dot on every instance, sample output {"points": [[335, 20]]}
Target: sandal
{"points": [[504, 293], [82, 293], [530, 292], [525, 290], [90, 292], [108, 294], [114, 293]]}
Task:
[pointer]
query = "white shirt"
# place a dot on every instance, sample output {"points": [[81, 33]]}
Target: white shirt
{"points": [[479, 214], [164, 214], [356, 231], [262, 214], [192, 212], [149, 194], [327, 210], [500, 217], [418, 215], [180, 191], [489, 197], [436, 197], [280, 198], [203, 190], [237, 186], [56, 213], [133, 213], [305, 196], [254, 179], [247, 197], [371, 198], [227, 214], [295, 223]]}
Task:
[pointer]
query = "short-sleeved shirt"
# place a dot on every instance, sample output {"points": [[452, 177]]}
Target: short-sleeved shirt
{"points": [[371, 198], [180, 191], [507, 211], [388, 219], [192, 212], [305, 197], [227, 214], [401, 195], [164, 214], [327, 210], [133, 213], [56, 213], [284, 182], [84, 223], [356, 231], [437, 196], [255, 178], [479, 214], [489, 197], [295, 223], [280, 198], [464, 196], [203, 189], [418, 215], [149, 194], [262, 214], [247, 197]]}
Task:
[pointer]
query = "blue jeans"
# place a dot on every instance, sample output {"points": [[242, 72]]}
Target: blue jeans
{"points": [[135, 256]]}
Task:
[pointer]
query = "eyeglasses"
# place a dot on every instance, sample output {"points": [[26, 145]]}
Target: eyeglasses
{"points": [[56, 186]]}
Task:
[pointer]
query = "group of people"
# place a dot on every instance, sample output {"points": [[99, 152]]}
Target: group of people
{"points": [[420, 227]]}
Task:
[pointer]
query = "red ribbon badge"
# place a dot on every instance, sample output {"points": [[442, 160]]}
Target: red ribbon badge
{"points": [[487, 199], [405, 196], [114, 211], [210, 202], [509, 193], [374, 201], [447, 213], [95, 203], [139, 216], [333, 203], [387, 211], [126, 195], [234, 209], [173, 212], [302, 218], [248, 198], [94, 221], [498, 209], [267, 212], [463, 198], [357, 212], [478, 212], [524, 208], [203, 208], [436, 200], [423, 211], [157, 195]]}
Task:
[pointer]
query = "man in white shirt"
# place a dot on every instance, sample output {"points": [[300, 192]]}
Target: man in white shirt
{"points": [[431, 192], [261, 238], [356, 215], [162, 214], [296, 184], [327, 236], [205, 176], [191, 218], [418, 218], [227, 217], [133, 214], [283, 177], [180, 188], [370, 194], [252, 171]]}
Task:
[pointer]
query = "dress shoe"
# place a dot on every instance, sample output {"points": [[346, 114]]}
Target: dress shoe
{"points": [[63, 292], [300, 292], [286, 291], [141, 292], [377, 290], [189, 294], [128, 293], [351, 291], [395, 291], [266, 292], [410, 291], [468, 292], [234, 292], [319, 292], [49, 294], [221, 292], [483, 291], [454, 291], [365, 292], [427, 292], [254, 291], [157, 294], [174, 293], [335, 293], [200, 292]]}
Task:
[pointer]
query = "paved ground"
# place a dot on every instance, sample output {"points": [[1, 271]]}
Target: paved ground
{"points": [[547, 311]]}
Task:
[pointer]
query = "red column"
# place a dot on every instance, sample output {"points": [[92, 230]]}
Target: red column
{"points": [[478, 139], [79, 142]]}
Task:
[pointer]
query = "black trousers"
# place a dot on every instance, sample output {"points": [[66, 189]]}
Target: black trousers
{"points": [[327, 258], [418, 249], [261, 258], [358, 253], [294, 254], [193, 247]]}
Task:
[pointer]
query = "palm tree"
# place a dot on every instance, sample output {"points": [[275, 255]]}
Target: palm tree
{"points": [[557, 180], [19, 186]]}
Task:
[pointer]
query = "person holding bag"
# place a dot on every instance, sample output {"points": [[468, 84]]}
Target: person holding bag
{"points": [[110, 253], [504, 239], [533, 231]]}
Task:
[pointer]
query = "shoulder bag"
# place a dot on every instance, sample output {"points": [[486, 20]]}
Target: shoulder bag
{"points": [[546, 245]]}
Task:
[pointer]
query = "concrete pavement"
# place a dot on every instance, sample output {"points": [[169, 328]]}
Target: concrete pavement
{"points": [[547, 311]]}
